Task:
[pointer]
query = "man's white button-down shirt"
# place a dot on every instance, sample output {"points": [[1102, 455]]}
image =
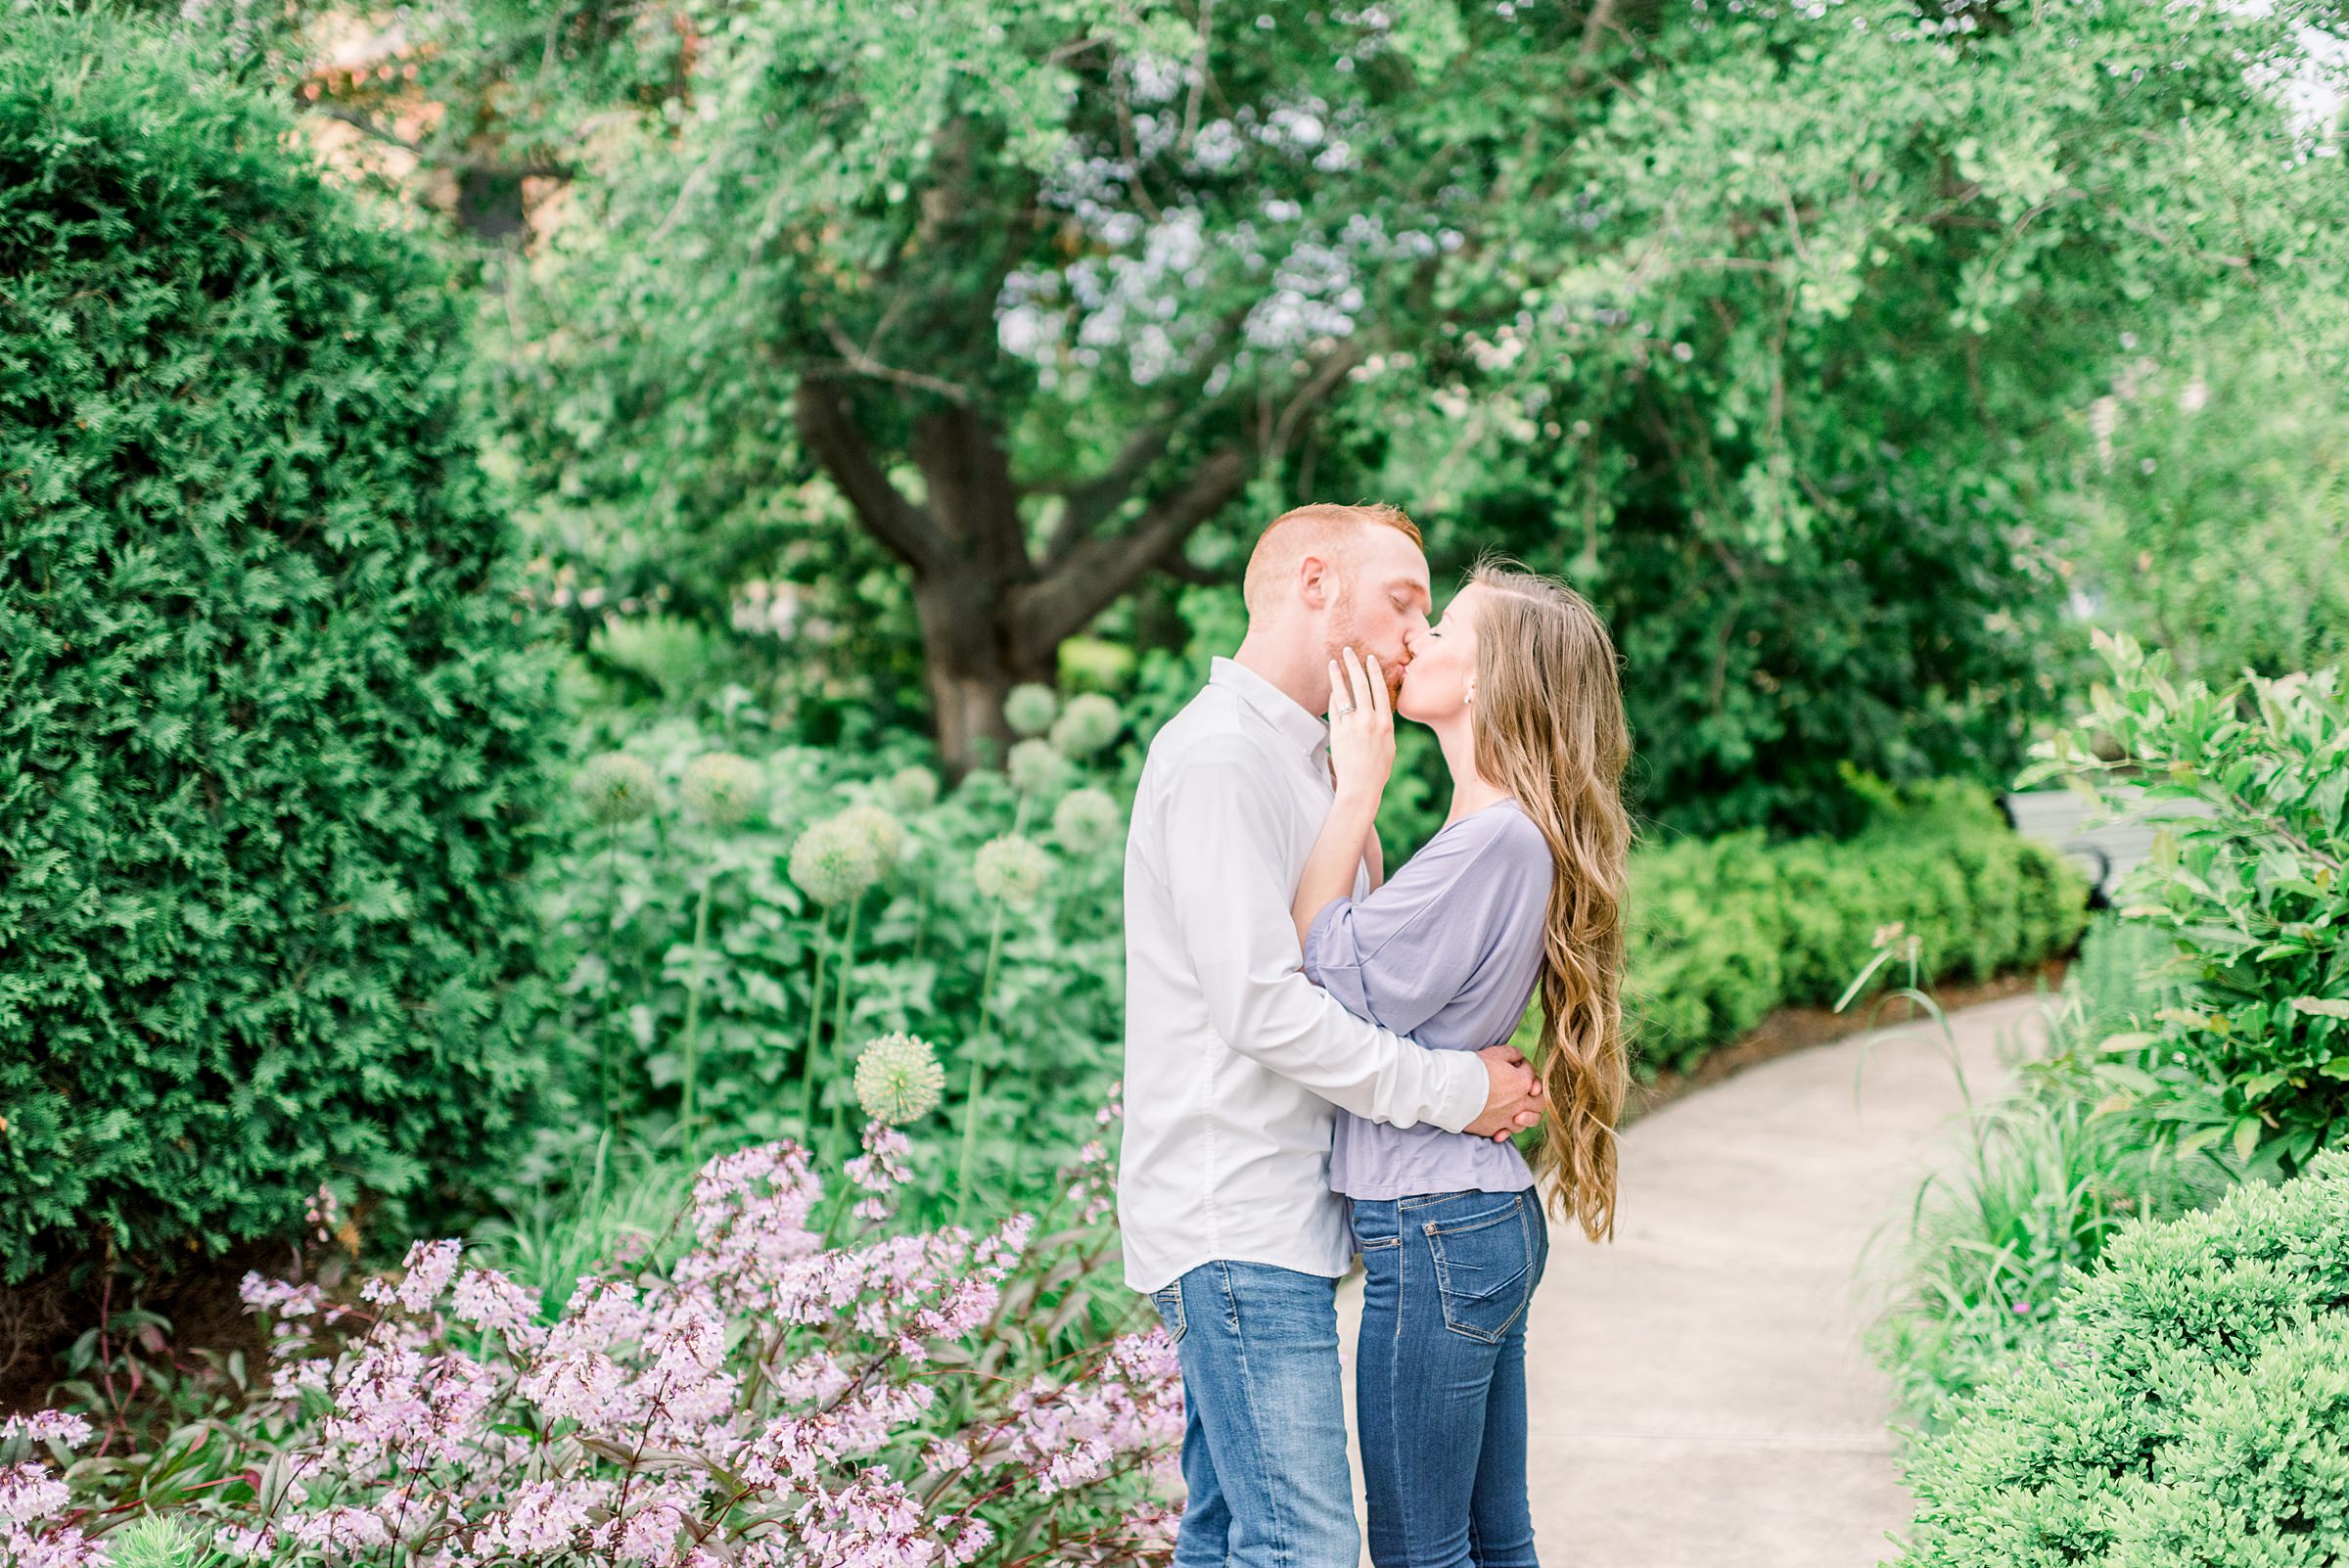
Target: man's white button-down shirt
{"points": [[1233, 1059]]}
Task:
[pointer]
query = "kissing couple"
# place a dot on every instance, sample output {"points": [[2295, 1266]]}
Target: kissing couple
{"points": [[1314, 1064]]}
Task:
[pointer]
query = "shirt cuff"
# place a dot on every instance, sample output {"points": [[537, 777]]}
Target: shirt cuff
{"points": [[1464, 1097]]}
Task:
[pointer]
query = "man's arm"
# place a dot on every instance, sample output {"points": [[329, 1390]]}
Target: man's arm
{"points": [[1222, 825]]}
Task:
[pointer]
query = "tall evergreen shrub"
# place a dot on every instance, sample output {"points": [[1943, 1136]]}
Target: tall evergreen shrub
{"points": [[270, 731]]}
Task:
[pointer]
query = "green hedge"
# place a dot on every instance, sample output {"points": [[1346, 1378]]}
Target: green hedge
{"points": [[2192, 1406], [1724, 929], [270, 735]]}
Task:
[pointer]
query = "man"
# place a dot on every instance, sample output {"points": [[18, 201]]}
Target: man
{"points": [[1233, 1059]]}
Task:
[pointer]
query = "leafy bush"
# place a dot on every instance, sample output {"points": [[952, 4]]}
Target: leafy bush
{"points": [[784, 1374], [270, 737], [1724, 929], [2209, 501], [2189, 1405], [2048, 1174], [2255, 1058]]}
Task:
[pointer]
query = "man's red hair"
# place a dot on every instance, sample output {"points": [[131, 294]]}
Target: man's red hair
{"points": [[1322, 527]]}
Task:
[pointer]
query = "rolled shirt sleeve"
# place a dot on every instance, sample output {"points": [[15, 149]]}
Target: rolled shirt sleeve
{"points": [[1233, 921]]}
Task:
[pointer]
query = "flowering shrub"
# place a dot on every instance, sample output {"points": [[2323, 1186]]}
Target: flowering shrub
{"points": [[803, 1384]]}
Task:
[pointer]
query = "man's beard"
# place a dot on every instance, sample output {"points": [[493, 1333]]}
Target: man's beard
{"points": [[1343, 634]]}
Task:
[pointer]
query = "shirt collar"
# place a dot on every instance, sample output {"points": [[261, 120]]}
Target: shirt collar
{"points": [[1307, 733]]}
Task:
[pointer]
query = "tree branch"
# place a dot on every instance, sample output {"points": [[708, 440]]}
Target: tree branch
{"points": [[1091, 502], [828, 431], [856, 362], [1312, 393], [1601, 18], [361, 122], [1044, 613]]}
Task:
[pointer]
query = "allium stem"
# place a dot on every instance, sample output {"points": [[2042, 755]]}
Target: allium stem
{"points": [[815, 1023], [840, 1015], [693, 1006], [975, 1089], [602, 1033]]}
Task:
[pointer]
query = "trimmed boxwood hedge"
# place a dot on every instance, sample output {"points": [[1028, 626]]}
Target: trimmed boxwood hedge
{"points": [[271, 732], [1724, 929], [2191, 1407]]}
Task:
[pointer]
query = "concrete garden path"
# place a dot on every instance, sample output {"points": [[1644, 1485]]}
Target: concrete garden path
{"points": [[1700, 1395]]}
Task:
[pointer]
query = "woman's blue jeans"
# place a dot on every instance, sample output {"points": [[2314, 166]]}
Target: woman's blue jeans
{"points": [[1440, 1376]]}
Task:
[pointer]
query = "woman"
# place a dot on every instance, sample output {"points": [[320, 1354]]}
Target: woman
{"points": [[1522, 884]]}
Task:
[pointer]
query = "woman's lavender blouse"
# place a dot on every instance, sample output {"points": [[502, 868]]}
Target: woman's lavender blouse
{"points": [[1447, 953]]}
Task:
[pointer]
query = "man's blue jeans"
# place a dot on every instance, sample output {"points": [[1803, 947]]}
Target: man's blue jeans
{"points": [[1440, 1376], [1264, 1440]]}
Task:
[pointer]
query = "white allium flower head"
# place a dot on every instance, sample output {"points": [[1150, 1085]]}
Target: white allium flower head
{"points": [[1089, 722], [841, 855], [1012, 869], [911, 789], [616, 788], [720, 788], [899, 1079], [1085, 821], [877, 833], [1033, 766], [1029, 709]]}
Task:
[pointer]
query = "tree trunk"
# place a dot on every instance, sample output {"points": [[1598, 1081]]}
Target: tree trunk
{"points": [[993, 614], [968, 665]]}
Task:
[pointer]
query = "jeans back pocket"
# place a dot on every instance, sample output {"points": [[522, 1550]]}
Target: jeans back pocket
{"points": [[1484, 1269], [1168, 1298]]}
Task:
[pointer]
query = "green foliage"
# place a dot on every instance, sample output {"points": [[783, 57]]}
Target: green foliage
{"points": [[2189, 1405], [1724, 929], [1783, 379], [2255, 1059], [270, 736], [783, 978], [2047, 1173], [2209, 515]]}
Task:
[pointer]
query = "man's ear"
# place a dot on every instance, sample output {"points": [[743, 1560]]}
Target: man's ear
{"points": [[1315, 581]]}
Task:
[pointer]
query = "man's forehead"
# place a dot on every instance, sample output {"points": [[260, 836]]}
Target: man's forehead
{"points": [[1392, 559]]}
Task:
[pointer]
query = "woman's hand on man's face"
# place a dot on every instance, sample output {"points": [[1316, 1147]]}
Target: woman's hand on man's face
{"points": [[1361, 725]]}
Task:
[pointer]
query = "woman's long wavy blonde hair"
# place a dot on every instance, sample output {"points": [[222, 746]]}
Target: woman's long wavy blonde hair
{"points": [[1548, 726]]}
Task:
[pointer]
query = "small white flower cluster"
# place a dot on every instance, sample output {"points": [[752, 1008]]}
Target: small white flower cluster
{"points": [[1086, 820], [616, 788], [846, 853], [899, 1079], [1011, 869], [730, 1410], [1029, 709], [1033, 765], [911, 789], [1087, 724], [720, 788]]}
